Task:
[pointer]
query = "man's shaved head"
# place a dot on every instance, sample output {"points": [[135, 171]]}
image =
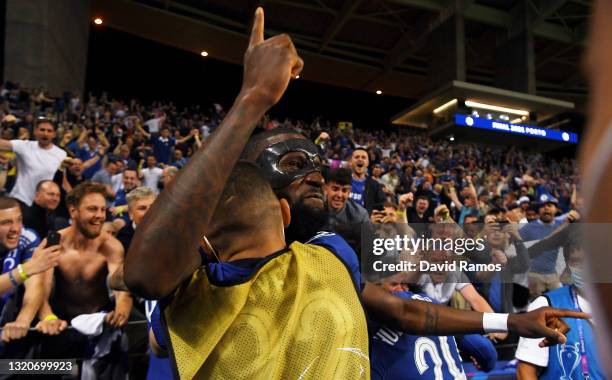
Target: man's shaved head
{"points": [[247, 205], [262, 140], [244, 193]]}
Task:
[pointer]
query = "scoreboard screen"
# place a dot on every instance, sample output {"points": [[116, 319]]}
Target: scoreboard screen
{"points": [[518, 129]]}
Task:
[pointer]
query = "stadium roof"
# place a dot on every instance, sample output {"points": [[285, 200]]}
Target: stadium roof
{"points": [[419, 114], [369, 44]]}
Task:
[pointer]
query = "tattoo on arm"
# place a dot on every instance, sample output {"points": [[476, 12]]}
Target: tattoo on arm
{"points": [[432, 316]]}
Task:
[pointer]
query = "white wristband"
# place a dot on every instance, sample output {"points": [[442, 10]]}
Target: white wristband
{"points": [[494, 322]]}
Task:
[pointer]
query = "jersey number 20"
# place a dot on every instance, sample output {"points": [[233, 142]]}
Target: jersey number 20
{"points": [[426, 345]]}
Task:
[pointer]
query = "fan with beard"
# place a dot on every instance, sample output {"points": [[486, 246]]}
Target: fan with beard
{"points": [[305, 222], [87, 233]]}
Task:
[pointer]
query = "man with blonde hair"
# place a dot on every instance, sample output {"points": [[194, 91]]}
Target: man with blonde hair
{"points": [[139, 201]]}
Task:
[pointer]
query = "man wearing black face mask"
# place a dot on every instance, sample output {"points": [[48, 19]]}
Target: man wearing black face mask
{"points": [[292, 166]]}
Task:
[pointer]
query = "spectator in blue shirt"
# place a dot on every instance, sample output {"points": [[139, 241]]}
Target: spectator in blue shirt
{"points": [[179, 159], [104, 176], [119, 210], [88, 147], [163, 143], [365, 191], [543, 274], [469, 206]]}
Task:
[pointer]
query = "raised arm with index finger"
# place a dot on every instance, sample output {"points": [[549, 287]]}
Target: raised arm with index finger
{"points": [[165, 244]]}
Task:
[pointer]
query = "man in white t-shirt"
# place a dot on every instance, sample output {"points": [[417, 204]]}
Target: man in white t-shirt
{"points": [[36, 160], [117, 182], [151, 174], [442, 289], [155, 124]]}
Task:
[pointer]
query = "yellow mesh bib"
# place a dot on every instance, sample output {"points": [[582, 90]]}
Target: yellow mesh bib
{"points": [[299, 317]]}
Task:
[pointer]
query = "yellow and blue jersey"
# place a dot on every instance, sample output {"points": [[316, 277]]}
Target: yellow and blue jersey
{"points": [[294, 314]]}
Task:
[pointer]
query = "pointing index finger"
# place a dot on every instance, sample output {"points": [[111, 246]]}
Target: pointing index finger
{"points": [[564, 313], [257, 33]]}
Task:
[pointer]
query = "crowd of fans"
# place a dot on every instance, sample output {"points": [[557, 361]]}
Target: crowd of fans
{"points": [[131, 150]]}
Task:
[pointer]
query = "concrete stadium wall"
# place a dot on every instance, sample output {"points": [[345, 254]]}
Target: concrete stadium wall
{"points": [[46, 43]]}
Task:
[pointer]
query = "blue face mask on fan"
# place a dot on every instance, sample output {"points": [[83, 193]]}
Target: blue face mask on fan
{"points": [[576, 275]]}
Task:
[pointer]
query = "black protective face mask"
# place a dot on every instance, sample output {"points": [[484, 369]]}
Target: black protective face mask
{"points": [[269, 161]]}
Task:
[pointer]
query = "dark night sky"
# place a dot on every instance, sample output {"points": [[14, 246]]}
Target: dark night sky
{"points": [[128, 66]]}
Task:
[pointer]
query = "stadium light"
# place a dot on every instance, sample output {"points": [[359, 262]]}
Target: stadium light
{"points": [[445, 106], [204, 53], [378, 92], [452, 138], [98, 21], [473, 104]]}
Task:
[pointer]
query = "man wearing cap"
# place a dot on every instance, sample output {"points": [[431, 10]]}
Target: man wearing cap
{"points": [[524, 202], [522, 206], [543, 275]]}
